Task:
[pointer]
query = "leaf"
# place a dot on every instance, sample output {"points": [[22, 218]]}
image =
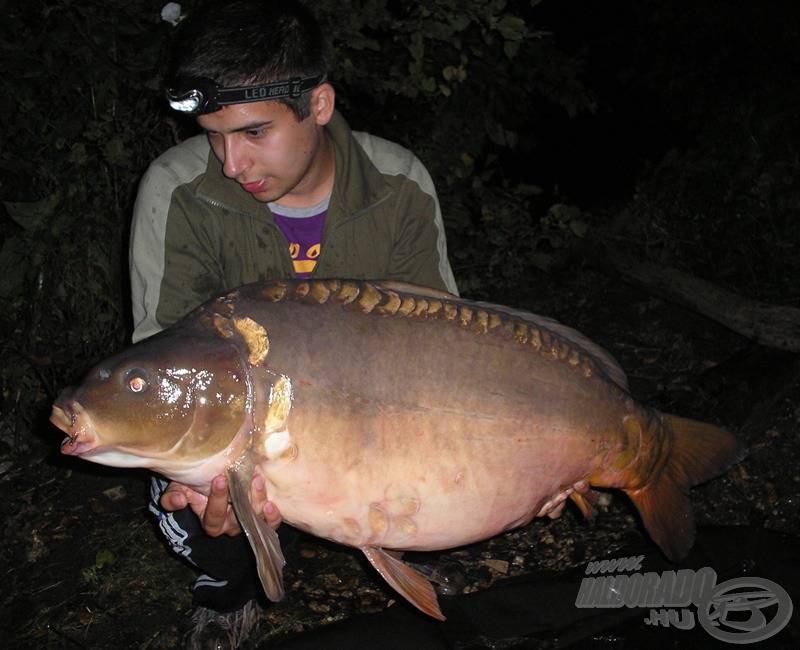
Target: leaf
{"points": [[496, 133], [529, 190], [104, 558], [460, 23], [511, 48], [417, 47], [511, 139], [578, 227], [79, 155], [116, 152], [31, 215], [512, 28]]}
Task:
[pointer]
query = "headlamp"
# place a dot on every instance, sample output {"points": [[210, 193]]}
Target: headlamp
{"points": [[197, 96]]}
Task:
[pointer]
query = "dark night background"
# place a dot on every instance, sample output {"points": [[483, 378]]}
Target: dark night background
{"points": [[564, 137]]}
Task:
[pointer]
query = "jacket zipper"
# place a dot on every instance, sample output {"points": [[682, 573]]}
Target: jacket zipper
{"points": [[251, 215], [335, 227]]}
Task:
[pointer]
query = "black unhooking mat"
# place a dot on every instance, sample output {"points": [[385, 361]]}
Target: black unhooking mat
{"points": [[539, 610]]}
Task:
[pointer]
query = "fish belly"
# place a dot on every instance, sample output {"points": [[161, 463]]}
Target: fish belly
{"points": [[422, 483]]}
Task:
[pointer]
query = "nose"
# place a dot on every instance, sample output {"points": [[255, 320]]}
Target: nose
{"points": [[66, 398], [99, 375], [234, 159]]}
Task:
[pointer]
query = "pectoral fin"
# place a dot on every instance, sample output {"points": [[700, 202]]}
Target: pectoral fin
{"points": [[408, 583], [262, 538]]}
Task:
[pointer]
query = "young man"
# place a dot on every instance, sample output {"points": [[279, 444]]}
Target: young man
{"points": [[277, 187]]}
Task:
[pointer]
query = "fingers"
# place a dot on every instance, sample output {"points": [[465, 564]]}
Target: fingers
{"points": [[582, 486], [271, 515], [258, 494], [557, 511], [555, 506], [262, 506], [215, 512], [174, 497], [219, 518]]}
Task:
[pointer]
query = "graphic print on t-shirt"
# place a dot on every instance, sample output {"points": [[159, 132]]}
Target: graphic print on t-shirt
{"points": [[302, 229]]}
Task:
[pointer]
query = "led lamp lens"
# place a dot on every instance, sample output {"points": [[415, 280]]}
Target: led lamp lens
{"points": [[188, 103]]}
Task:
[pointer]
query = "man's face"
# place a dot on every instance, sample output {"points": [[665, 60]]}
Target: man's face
{"points": [[268, 151]]}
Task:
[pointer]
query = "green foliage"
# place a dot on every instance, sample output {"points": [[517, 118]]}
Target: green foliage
{"points": [[103, 559], [79, 105], [458, 81], [513, 239]]}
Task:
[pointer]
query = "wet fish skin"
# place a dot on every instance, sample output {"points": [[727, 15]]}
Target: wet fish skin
{"points": [[377, 412]]}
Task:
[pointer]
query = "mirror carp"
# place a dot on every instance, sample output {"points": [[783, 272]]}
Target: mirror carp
{"points": [[379, 413]]}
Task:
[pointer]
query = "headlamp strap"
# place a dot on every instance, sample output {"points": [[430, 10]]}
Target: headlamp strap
{"points": [[290, 89], [198, 96]]}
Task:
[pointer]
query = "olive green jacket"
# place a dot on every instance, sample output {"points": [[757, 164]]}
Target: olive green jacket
{"points": [[197, 234]]}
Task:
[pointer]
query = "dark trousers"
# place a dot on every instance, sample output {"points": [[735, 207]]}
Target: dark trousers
{"points": [[228, 577]]}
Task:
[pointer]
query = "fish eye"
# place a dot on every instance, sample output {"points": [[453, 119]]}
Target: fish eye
{"points": [[137, 380]]}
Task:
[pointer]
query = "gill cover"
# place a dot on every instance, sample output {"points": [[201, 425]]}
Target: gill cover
{"points": [[182, 394]]}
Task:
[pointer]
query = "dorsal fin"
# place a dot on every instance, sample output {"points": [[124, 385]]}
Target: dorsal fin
{"points": [[602, 356], [427, 292]]}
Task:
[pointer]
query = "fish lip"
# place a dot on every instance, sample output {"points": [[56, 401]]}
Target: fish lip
{"points": [[74, 447], [73, 420]]}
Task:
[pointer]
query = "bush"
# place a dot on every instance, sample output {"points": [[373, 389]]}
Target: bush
{"points": [[80, 97]]}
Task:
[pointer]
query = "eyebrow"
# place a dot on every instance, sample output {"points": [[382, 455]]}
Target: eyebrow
{"points": [[247, 127]]}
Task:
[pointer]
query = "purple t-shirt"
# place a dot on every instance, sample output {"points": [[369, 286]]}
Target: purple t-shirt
{"points": [[302, 228]]}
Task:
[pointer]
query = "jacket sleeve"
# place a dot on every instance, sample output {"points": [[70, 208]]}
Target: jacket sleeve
{"points": [[174, 264], [420, 252]]}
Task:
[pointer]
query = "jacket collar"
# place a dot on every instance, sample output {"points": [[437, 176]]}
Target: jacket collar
{"points": [[357, 186]]}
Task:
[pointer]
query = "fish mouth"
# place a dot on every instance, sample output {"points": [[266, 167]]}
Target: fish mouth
{"points": [[73, 420]]}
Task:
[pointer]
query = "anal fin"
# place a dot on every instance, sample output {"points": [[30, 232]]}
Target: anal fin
{"points": [[407, 582], [263, 540]]}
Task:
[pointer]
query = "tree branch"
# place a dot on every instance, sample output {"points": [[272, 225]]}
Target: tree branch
{"points": [[771, 325]]}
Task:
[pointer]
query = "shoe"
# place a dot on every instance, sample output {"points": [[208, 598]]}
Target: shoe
{"points": [[216, 631]]}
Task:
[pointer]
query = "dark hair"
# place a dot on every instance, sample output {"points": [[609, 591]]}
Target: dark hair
{"points": [[249, 42]]}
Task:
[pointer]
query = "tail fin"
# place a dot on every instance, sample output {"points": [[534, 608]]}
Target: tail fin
{"points": [[699, 453]]}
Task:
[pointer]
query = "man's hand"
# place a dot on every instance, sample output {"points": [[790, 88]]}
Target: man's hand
{"points": [[555, 506], [214, 511]]}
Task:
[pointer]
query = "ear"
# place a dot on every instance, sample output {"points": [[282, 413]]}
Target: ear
{"points": [[323, 101]]}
